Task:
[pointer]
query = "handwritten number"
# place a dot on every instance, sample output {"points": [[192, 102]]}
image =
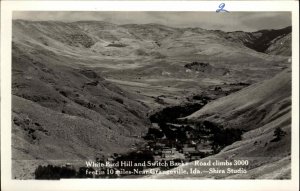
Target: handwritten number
{"points": [[221, 8]]}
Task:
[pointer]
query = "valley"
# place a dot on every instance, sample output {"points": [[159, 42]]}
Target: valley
{"points": [[92, 90]]}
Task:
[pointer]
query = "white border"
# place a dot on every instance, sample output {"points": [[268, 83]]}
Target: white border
{"points": [[132, 184]]}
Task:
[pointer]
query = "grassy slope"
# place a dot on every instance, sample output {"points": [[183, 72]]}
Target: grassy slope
{"points": [[152, 55], [254, 105], [65, 112], [268, 159]]}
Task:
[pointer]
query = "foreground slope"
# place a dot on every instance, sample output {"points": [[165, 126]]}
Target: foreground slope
{"points": [[259, 109], [66, 113], [253, 106]]}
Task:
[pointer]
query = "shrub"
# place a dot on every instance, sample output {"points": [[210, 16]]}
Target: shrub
{"points": [[154, 133], [117, 45], [53, 172], [278, 133], [119, 100], [222, 137]]}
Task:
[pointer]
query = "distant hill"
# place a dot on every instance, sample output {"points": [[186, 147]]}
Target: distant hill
{"points": [[142, 48], [94, 34], [264, 40], [281, 46]]}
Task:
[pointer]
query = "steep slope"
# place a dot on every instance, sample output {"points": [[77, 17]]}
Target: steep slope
{"points": [[263, 39], [131, 40], [281, 46], [44, 32], [260, 109], [63, 112], [251, 107]]}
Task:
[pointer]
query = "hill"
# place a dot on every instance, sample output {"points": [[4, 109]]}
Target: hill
{"points": [[259, 110], [262, 40], [64, 112]]}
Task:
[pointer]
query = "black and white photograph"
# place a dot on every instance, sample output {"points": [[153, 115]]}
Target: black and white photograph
{"points": [[151, 95]]}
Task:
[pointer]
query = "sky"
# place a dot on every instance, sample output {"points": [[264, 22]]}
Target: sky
{"points": [[233, 21]]}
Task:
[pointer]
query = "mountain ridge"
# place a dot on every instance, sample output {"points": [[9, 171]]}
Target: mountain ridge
{"points": [[258, 40]]}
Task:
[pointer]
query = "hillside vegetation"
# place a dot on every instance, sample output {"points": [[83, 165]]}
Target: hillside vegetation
{"points": [[83, 90], [261, 109]]}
